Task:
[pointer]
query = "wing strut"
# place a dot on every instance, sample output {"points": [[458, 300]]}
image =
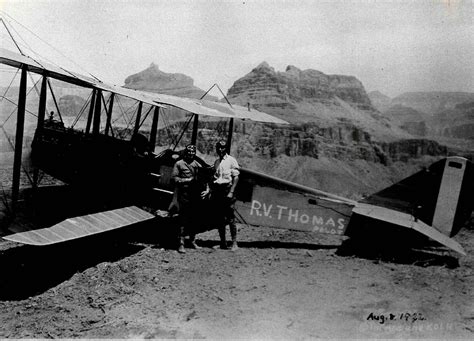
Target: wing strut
{"points": [[195, 129], [91, 111], [20, 123], [108, 124], [97, 112], [137, 119], [154, 128]]}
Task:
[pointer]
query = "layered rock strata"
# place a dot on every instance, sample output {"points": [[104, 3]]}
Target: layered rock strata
{"points": [[264, 85]]}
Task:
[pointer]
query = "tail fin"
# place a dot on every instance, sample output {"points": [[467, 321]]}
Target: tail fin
{"points": [[455, 202], [440, 196]]}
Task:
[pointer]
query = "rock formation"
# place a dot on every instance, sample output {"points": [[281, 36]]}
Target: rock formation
{"points": [[380, 101], [432, 102], [436, 115], [408, 119], [455, 123], [310, 96], [336, 132], [263, 85], [153, 79]]}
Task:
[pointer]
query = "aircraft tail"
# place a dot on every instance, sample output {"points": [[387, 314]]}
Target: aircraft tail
{"points": [[441, 195]]}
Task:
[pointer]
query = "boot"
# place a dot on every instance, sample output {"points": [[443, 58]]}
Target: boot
{"points": [[181, 245], [192, 241], [233, 233], [223, 244]]}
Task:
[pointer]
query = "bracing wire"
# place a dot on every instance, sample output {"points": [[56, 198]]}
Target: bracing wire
{"points": [[183, 131], [112, 122], [45, 42], [16, 105], [146, 116], [11, 36], [106, 108], [13, 148], [29, 48], [84, 106], [4, 37], [25, 43], [125, 132], [122, 109], [54, 100], [9, 85], [125, 116], [34, 85], [166, 125]]}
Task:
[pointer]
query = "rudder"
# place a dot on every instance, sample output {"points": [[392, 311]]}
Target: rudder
{"points": [[454, 203]]}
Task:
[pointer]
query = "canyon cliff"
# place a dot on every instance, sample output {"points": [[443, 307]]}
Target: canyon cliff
{"points": [[379, 100], [152, 79], [337, 140], [263, 85], [432, 103], [457, 122], [445, 117], [312, 97]]}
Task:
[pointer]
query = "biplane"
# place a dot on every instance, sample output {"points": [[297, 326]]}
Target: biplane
{"points": [[433, 203]]}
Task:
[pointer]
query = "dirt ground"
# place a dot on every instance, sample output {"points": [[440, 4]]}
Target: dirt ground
{"points": [[279, 284]]}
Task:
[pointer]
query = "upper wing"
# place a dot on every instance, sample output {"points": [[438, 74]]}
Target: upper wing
{"points": [[195, 106], [17, 60]]}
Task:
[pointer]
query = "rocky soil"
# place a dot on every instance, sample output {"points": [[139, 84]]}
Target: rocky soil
{"points": [[279, 284]]}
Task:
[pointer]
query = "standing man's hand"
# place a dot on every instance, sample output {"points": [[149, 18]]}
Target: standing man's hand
{"points": [[205, 193]]}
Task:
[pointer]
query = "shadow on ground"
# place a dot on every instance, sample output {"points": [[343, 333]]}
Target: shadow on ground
{"points": [[271, 245], [396, 252], [29, 271]]}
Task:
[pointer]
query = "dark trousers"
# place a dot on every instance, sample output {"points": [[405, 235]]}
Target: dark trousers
{"points": [[187, 213], [225, 209]]}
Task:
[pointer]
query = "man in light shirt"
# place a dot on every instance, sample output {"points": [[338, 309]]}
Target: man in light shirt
{"points": [[226, 177]]}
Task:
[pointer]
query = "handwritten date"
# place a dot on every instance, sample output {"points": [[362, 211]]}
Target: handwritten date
{"points": [[406, 317]]}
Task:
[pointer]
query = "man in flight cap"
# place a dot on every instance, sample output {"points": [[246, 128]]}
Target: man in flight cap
{"points": [[188, 194]]}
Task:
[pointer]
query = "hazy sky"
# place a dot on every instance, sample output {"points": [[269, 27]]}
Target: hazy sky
{"points": [[391, 46]]}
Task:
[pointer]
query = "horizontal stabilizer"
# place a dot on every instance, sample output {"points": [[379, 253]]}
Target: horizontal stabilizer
{"points": [[440, 195], [78, 227], [406, 220]]}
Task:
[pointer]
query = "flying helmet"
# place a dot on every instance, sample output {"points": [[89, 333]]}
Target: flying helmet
{"points": [[221, 145], [190, 150]]}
